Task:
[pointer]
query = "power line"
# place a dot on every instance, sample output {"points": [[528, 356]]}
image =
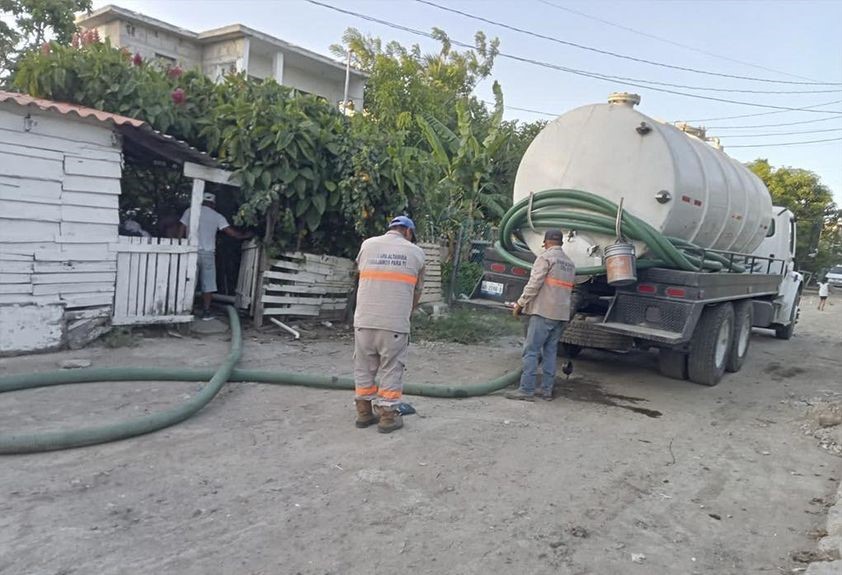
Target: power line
{"points": [[771, 125], [621, 56], [613, 79], [772, 134], [668, 41], [507, 107], [785, 143], [803, 109]]}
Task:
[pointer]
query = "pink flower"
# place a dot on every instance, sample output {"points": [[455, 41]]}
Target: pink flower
{"points": [[178, 96], [138, 59], [175, 72]]}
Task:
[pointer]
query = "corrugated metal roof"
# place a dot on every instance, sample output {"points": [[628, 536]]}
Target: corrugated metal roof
{"points": [[131, 128]]}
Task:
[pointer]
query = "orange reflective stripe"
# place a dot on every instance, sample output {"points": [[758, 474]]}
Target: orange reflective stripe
{"points": [[388, 276], [367, 390], [559, 283], [389, 394]]}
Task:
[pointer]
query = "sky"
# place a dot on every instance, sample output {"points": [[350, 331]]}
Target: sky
{"points": [[782, 41]]}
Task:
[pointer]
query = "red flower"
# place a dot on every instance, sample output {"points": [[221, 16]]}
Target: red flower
{"points": [[175, 72], [138, 59], [178, 96]]}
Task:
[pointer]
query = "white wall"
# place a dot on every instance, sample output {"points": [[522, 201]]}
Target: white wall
{"points": [[316, 84], [59, 194], [148, 42]]}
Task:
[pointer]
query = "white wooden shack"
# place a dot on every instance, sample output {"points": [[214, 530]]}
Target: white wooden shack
{"points": [[66, 275]]}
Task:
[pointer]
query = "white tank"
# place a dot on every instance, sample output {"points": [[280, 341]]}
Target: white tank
{"points": [[676, 182]]}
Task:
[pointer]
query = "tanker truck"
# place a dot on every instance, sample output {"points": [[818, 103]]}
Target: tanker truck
{"points": [[677, 246]]}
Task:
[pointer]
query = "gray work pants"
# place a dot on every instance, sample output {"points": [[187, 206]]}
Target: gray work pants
{"points": [[384, 352]]}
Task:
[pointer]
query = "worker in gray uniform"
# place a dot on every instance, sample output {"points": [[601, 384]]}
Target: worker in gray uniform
{"points": [[546, 300], [391, 277]]}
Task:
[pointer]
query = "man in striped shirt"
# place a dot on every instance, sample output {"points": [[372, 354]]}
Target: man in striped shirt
{"points": [[391, 270], [546, 300]]}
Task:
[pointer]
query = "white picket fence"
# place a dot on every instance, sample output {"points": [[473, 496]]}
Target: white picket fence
{"points": [[156, 280]]}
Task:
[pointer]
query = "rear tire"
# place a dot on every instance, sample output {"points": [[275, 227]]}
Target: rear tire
{"points": [[672, 364], [711, 344], [569, 350], [743, 320]]}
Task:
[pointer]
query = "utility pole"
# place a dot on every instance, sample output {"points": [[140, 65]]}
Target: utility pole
{"points": [[347, 84]]}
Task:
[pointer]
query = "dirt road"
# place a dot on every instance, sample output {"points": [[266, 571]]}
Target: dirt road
{"points": [[626, 472]]}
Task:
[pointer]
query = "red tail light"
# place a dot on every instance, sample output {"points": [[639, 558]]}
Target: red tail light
{"points": [[646, 288], [519, 271], [675, 292], [499, 268]]}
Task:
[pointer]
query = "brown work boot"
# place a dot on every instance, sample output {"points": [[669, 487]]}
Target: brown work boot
{"points": [[365, 416], [390, 420]]}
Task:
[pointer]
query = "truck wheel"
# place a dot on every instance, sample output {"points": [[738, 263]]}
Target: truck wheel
{"points": [[569, 350], [672, 364], [743, 320], [710, 345], [786, 331]]}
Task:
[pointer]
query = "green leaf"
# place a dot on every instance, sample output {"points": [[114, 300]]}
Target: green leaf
{"points": [[313, 219], [319, 203], [301, 206]]}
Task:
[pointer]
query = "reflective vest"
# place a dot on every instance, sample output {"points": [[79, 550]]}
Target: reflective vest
{"points": [[550, 286], [391, 272]]}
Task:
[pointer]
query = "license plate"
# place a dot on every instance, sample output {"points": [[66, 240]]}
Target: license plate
{"points": [[491, 288]]}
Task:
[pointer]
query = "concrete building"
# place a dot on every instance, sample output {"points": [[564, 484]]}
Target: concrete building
{"points": [[234, 48]]}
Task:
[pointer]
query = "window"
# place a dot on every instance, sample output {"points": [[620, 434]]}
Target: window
{"points": [[836, 270], [771, 231], [130, 30]]}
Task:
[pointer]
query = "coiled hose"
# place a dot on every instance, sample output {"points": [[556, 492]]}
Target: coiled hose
{"points": [[582, 211], [18, 443]]}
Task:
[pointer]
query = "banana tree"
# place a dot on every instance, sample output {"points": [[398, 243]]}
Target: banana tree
{"points": [[467, 190]]}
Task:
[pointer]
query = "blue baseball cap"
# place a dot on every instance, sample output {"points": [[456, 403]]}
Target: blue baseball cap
{"points": [[403, 221]]}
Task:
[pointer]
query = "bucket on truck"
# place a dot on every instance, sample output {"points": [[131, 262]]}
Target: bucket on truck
{"points": [[620, 264]]}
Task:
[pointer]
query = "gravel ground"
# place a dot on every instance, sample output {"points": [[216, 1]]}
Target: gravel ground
{"points": [[625, 472]]}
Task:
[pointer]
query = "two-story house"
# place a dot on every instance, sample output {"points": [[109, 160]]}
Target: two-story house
{"points": [[234, 48]]}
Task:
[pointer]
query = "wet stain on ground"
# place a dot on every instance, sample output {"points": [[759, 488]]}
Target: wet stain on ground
{"points": [[585, 390], [780, 372]]}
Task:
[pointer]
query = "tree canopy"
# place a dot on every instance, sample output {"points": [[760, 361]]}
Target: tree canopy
{"points": [[27, 24], [802, 192]]}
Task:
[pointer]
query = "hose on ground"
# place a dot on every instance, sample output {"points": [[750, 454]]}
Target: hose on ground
{"points": [[582, 211], [19, 443]]}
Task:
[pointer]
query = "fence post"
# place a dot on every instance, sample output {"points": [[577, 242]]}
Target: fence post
{"points": [[454, 270]]}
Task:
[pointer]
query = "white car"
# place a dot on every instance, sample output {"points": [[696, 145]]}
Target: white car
{"points": [[834, 276]]}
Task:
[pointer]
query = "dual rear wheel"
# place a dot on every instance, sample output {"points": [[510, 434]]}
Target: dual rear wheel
{"points": [[720, 343]]}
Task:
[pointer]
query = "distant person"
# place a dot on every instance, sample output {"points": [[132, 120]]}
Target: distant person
{"points": [[391, 270], [546, 299], [824, 291], [210, 222]]}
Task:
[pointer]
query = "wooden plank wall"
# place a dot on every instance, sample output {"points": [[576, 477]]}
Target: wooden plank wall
{"points": [[59, 194], [307, 285], [432, 277]]}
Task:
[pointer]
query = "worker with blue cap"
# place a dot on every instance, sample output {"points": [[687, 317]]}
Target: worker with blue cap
{"points": [[391, 274]]}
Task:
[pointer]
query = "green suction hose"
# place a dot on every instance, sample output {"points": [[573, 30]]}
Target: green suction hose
{"points": [[583, 211], [18, 443]]}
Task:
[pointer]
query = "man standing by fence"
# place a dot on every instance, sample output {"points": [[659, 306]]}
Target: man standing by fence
{"points": [[210, 222], [546, 300], [391, 269]]}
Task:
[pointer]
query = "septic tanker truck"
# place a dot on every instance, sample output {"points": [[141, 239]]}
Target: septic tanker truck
{"points": [[677, 246]]}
